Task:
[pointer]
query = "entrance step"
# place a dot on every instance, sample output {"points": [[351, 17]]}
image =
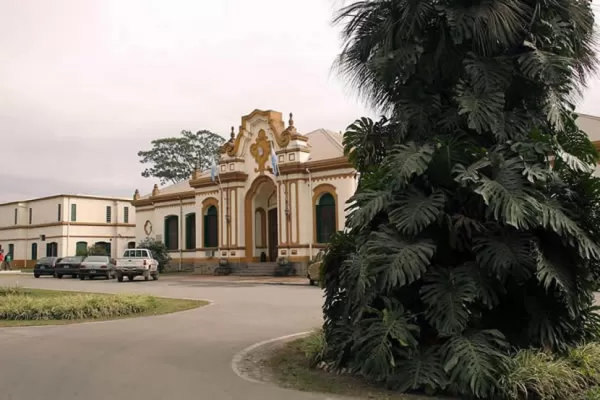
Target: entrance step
{"points": [[256, 269]]}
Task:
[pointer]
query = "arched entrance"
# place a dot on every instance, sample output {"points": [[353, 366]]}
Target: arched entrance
{"points": [[261, 225]]}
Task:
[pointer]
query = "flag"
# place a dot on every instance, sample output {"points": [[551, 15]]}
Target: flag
{"points": [[213, 171], [274, 164]]}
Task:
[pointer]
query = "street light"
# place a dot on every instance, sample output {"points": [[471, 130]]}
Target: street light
{"points": [[23, 205]]}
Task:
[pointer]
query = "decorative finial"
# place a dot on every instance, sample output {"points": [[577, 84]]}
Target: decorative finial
{"points": [[136, 194], [155, 190], [232, 133], [291, 119]]}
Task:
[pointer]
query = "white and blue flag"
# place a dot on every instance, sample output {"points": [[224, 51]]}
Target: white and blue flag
{"points": [[274, 164], [214, 171]]}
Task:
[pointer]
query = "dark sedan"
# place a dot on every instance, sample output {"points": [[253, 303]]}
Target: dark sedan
{"points": [[45, 266], [94, 266], [68, 266]]}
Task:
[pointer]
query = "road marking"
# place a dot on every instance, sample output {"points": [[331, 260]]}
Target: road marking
{"points": [[242, 354]]}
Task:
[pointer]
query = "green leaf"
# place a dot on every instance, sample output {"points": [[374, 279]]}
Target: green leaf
{"points": [[482, 108], [367, 204], [506, 253], [396, 260], [475, 361], [414, 211], [507, 196], [447, 292], [379, 335], [409, 159], [554, 219], [422, 369]]}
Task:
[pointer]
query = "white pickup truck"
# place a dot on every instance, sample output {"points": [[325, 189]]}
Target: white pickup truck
{"points": [[136, 262]]}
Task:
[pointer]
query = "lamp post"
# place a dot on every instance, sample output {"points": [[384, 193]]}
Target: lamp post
{"points": [[23, 205]]}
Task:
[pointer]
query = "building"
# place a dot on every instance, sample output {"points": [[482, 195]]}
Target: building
{"points": [[247, 214], [60, 225]]}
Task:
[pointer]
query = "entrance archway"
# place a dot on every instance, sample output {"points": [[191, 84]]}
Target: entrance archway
{"points": [[261, 224]]}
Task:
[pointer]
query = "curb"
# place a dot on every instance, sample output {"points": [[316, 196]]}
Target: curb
{"points": [[242, 354]]}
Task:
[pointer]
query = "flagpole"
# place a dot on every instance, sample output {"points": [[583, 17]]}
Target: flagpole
{"points": [[275, 167]]}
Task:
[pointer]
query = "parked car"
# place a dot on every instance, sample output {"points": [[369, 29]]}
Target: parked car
{"points": [[45, 266], [136, 262], [67, 266], [94, 266], [314, 269]]}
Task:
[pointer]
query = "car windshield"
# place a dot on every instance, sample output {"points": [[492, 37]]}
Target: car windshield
{"points": [[45, 260], [71, 260], [96, 259]]}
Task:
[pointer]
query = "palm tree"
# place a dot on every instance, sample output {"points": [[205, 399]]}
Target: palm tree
{"points": [[470, 232]]}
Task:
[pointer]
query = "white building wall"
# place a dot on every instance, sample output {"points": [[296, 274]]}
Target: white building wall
{"points": [[90, 225]]}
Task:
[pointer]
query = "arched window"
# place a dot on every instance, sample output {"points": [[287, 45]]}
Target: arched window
{"points": [[325, 217], [211, 227], [172, 232], [52, 249], [81, 248], [102, 249], [131, 245], [34, 251], [190, 231]]}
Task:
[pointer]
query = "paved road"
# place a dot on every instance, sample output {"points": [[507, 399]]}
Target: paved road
{"points": [[179, 356]]}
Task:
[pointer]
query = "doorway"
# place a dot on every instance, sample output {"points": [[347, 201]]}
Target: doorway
{"points": [[273, 234]]}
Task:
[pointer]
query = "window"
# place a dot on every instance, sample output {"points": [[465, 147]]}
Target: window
{"points": [[211, 228], [102, 248], [59, 212], [11, 250], [73, 212], [16, 215], [30, 215], [325, 221], [131, 245], [34, 251], [108, 214], [126, 215], [81, 248], [190, 231], [172, 232], [52, 249]]}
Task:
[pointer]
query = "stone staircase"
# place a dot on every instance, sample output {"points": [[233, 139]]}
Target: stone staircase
{"points": [[256, 269]]}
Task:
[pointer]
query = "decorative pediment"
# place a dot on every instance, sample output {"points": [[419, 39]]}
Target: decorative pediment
{"points": [[255, 121]]}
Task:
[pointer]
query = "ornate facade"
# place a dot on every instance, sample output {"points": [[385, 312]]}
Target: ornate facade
{"points": [[249, 214]]}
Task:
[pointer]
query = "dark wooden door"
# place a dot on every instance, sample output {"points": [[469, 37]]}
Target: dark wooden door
{"points": [[273, 234]]}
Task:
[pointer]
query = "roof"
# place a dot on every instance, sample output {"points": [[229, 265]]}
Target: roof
{"points": [[325, 144], [77, 196], [183, 186]]}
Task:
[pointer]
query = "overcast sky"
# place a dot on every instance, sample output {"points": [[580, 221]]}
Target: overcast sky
{"points": [[85, 84]]}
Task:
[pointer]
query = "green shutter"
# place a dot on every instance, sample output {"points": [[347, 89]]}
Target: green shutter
{"points": [[73, 212]]}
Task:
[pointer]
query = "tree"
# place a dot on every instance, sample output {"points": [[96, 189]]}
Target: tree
{"points": [[159, 252], [474, 228], [174, 159]]}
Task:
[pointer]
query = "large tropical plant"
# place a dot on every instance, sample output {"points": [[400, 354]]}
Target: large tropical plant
{"points": [[474, 229]]}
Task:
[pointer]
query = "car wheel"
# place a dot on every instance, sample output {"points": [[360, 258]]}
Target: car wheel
{"points": [[108, 276], [155, 276], [36, 275], [59, 276], [81, 278], [120, 278], [130, 277], [74, 276], [311, 282]]}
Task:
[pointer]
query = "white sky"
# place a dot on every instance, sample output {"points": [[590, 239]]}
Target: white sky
{"points": [[85, 84]]}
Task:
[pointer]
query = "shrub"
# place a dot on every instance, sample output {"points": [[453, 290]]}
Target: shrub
{"points": [[586, 359], [535, 374], [11, 291], [71, 307], [313, 346]]}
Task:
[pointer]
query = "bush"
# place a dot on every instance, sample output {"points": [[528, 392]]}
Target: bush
{"points": [[534, 374], [72, 307], [11, 291], [313, 346]]}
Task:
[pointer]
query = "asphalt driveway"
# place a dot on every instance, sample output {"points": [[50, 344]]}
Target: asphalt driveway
{"points": [[185, 355]]}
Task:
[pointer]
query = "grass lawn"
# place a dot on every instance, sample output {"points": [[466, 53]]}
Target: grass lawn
{"points": [[289, 367], [164, 306]]}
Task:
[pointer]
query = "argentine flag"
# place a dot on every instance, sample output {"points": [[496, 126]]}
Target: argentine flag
{"points": [[274, 164], [214, 171]]}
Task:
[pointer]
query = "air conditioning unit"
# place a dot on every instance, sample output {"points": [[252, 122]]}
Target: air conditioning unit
{"points": [[209, 253]]}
